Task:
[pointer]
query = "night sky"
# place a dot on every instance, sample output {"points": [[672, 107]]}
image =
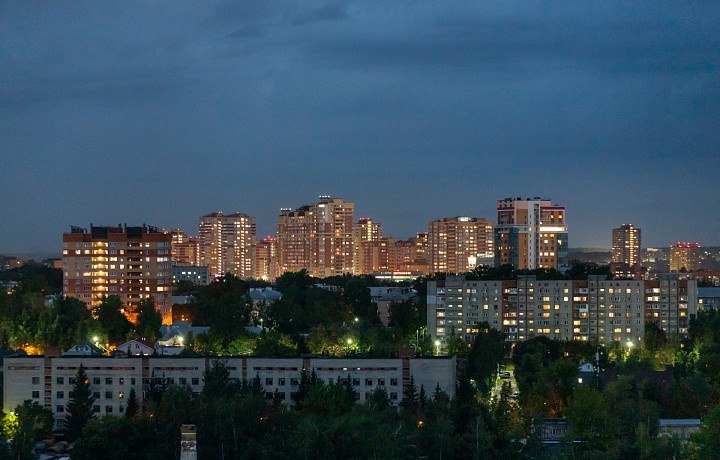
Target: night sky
{"points": [[159, 112]]}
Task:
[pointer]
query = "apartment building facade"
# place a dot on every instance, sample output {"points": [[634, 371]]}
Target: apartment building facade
{"points": [[365, 253], [48, 380], [530, 234], [596, 310], [317, 237], [266, 259], [185, 248], [132, 263], [627, 245], [227, 244], [685, 256], [459, 244], [412, 254]]}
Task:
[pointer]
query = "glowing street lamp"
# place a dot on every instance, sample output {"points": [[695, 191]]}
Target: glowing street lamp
{"points": [[437, 348]]}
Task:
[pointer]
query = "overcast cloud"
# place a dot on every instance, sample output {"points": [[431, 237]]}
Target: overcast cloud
{"points": [[159, 112]]}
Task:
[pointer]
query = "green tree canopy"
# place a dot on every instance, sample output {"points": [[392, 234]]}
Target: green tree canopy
{"points": [[110, 314], [148, 320]]}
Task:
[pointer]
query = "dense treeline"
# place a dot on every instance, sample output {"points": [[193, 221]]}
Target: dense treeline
{"points": [[613, 416], [616, 414], [307, 319], [26, 321]]}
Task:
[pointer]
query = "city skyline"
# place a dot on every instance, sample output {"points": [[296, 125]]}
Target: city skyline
{"points": [[162, 113], [193, 231]]}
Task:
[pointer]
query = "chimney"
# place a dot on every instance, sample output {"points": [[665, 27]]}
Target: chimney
{"points": [[188, 442]]}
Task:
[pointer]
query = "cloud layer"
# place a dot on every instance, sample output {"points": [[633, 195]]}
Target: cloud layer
{"points": [[160, 112]]}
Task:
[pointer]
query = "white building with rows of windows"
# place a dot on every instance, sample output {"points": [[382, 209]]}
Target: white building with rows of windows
{"points": [[48, 380]]}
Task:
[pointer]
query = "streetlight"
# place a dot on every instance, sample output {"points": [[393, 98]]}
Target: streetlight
{"points": [[437, 348], [180, 339], [349, 342]]}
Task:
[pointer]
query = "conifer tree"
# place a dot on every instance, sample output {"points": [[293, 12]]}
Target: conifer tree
{"points": [[422, 397], [410, 396], [133, 407], [79, 408]]}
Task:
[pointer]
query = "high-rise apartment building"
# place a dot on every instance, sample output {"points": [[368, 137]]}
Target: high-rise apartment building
{"points": [[626, 245], [132, 263], [685, 255], [412, 255], [597, 310], [459, 244], [365, 233], [227, 244], [317, 237], [185, 249], [375, 256], [530, 234], [266, 259]]}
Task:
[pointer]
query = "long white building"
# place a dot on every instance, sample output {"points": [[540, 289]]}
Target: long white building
{"points": [[48, 380]]}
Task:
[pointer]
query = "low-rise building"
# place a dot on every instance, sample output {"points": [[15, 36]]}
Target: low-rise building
{"points": [[390, 296], [84, 349], [48, 380], [708, 298], [136, 347], [193, 273], [682, 427], [266, 294]]}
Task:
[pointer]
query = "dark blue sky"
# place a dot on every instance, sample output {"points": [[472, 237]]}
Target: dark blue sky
{"points": [[160, 112]]}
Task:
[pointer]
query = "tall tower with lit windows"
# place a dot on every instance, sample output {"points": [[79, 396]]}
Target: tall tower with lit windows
{"points": [[530, 234], [366, 237], [227, 244], [317, 237], [627, 245]]}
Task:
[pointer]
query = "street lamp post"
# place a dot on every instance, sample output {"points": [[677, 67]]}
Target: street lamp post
{"points": [[437, 348], [349, 342]]}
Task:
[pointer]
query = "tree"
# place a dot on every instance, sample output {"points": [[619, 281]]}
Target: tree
{"points": [[148, 320], [216, 381], [28, 424], [410, 396], [502, 414], [133, 407], [487, 352], [706, 438], [589, 421], [112, 319], [79, 408], [456, 345]]}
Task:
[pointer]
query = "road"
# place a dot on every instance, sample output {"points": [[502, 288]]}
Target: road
{"points": [[499, 383]]}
